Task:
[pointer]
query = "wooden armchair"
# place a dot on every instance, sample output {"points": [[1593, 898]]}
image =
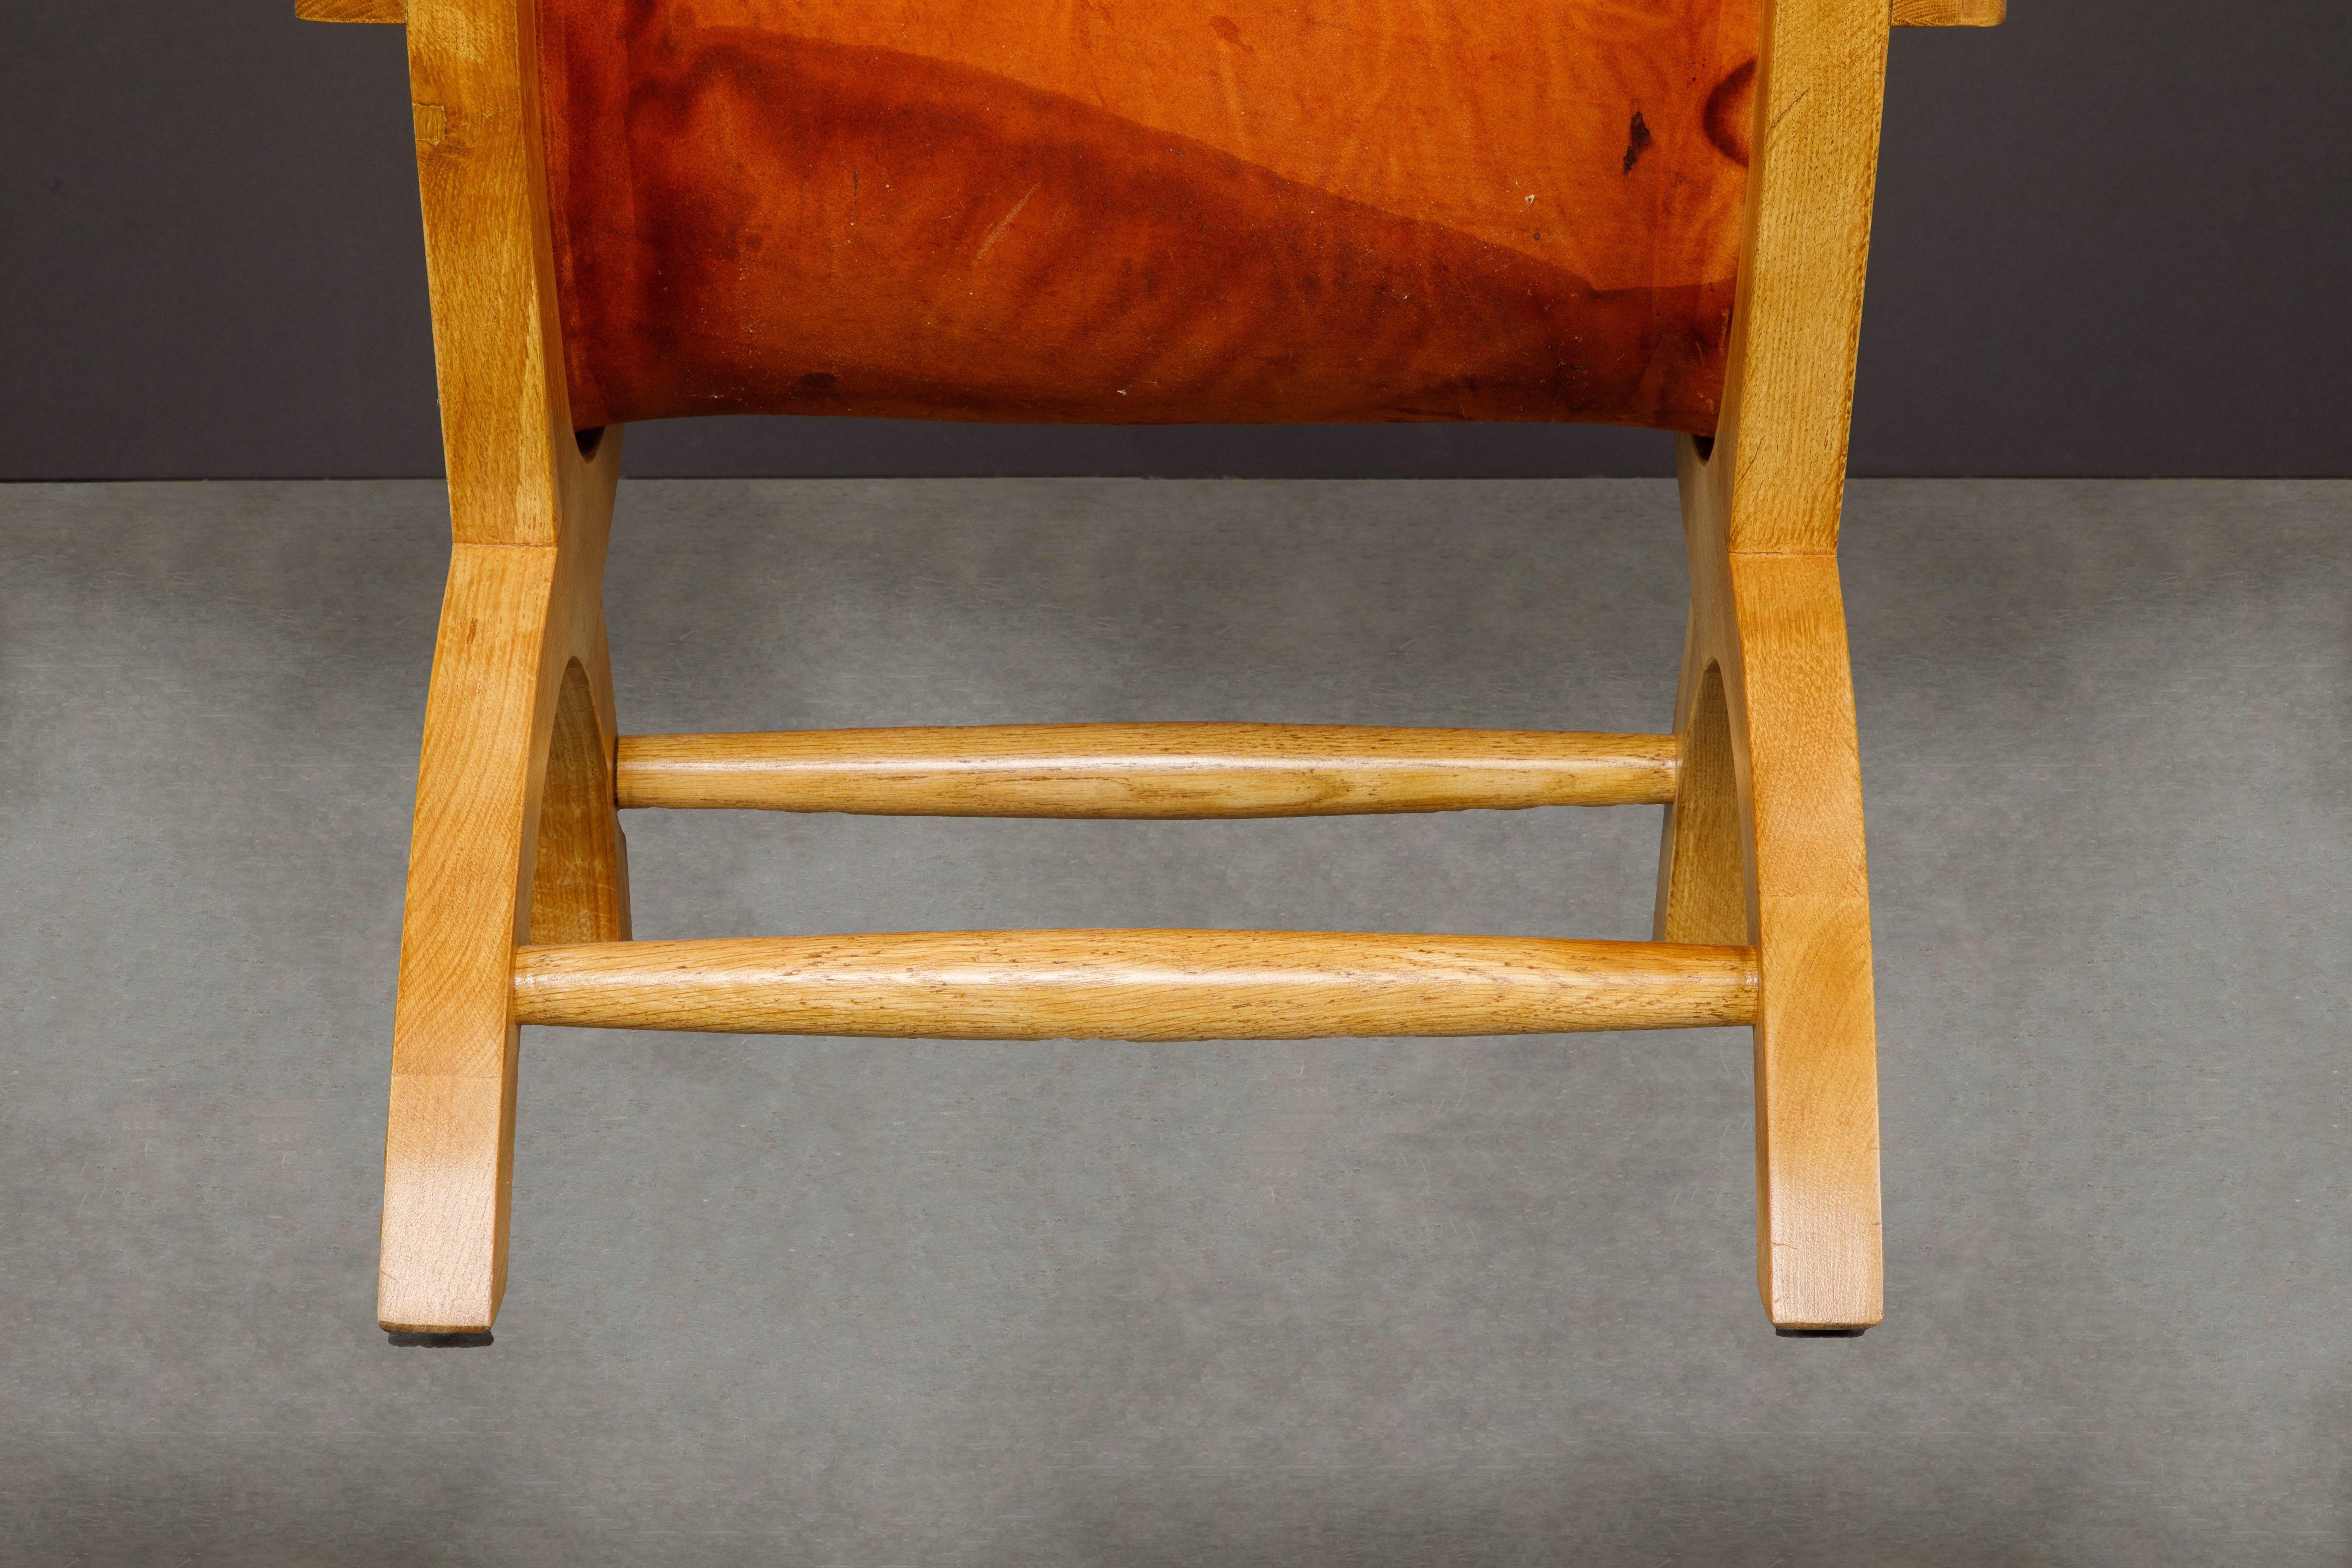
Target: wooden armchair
{"points": [[1141, 210]]}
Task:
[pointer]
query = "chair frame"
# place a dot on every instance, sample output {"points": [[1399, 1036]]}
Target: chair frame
{"points": [[518, 905]]}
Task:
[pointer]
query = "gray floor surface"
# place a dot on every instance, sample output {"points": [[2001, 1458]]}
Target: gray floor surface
{"points": [[1364, 1303]]}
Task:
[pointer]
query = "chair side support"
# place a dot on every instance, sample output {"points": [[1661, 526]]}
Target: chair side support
{"points": [[1766, 709], [514, 781]]}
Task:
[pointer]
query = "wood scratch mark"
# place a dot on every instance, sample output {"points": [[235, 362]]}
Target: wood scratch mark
{"points": [[1792, 109]]}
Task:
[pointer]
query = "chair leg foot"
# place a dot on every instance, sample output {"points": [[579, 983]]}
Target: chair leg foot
{"points": [[448, 1177], [405, 1339]]}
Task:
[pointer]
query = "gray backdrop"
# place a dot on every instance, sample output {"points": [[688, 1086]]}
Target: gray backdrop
{"points": [[2111, 241], [1338, 1304]]}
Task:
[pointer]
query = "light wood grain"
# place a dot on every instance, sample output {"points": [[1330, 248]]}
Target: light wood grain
{"points": [[522, 625], [1769, 631], [518, 626], [1134, 985], [448, 1146], [1797, 319], [505, 420], [1950, 12], [1760, 510], [1145, 770], [351, 10]]}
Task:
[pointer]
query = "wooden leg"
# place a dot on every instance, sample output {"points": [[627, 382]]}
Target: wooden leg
{"points": [[1768, 648], [518, 742]]}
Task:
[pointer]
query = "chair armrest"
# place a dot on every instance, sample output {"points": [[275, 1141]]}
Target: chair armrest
{"points": [[351, 10], [1950, 12]]}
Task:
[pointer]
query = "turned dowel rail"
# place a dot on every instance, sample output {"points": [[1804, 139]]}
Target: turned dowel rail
{"points": [[1146, 770], [1134, 985]]}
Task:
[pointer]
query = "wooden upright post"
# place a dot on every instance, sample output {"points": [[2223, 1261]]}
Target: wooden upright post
{"points": [[520, 677], [1766, 713]]}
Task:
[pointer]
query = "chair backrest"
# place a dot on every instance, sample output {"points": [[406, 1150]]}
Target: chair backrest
{"points": [[1147, 210]]}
